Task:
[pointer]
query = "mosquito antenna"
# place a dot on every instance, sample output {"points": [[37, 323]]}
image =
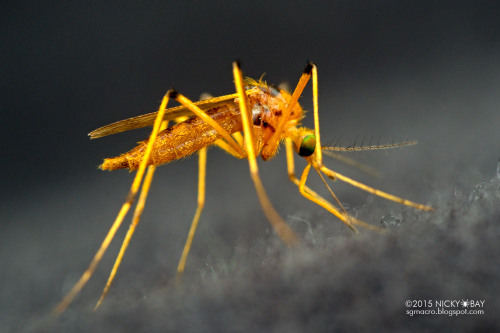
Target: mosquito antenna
{"points": [[362, 147]]}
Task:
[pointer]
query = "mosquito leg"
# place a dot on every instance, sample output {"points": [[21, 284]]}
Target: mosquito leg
{"points": [[317, 150], [222, 144], [322, 202], [135, 221], [385, 195], [238, 137], [291, 172], [202, 166], [315, 197], [66, 301], [344, 217], [281, 228], [307, 192], [274, 141]]}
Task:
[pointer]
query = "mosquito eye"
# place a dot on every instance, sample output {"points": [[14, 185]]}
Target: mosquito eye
{"points": [[307, 145], [256, 119]]}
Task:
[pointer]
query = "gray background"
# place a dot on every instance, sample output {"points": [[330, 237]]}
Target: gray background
{"points": [[389, 69]]}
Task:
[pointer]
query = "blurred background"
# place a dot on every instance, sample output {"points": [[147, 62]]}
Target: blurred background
{"points": [[388, 71]]}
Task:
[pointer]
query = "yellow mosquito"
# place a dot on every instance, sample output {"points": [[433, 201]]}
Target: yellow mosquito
{"points": [[251, 122]]}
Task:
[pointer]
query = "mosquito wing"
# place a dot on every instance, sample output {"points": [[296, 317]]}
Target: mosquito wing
{"points": [[172, 113]]}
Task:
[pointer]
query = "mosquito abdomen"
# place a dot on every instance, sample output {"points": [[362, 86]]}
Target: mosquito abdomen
{"points": [[180, 140]]}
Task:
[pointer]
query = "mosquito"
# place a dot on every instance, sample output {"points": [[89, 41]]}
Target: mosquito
{"points": [[251, 122]]}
